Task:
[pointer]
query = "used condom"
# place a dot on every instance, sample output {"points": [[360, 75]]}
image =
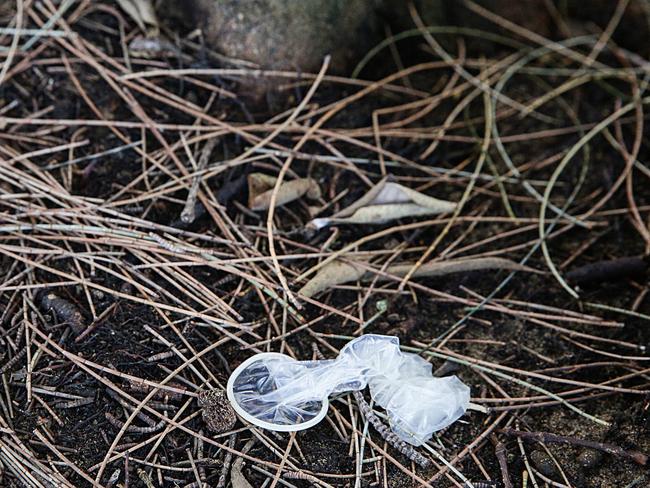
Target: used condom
{"points": [[276, 392]]}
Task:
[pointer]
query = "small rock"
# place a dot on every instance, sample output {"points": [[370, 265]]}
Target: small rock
{"points": [[284, 34], [217, 412], [590, 458], [543, 463]]}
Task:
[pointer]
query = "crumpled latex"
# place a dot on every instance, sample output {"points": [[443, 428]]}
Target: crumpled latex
{"points": [[277, 392]]}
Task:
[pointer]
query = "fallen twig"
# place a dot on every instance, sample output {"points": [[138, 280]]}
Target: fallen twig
{"points": [[546, 437], [612, 270]]}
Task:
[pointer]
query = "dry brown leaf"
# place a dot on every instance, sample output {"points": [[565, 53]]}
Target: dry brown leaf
{"points": [[339, 272], [384, 202], [260, 190], [143, 13]]}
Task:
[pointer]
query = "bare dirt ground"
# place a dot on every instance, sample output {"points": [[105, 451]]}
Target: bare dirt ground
{"points": [[116, 312]]}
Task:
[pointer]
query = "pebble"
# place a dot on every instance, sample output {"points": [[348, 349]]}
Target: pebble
{"points": [[590, 458], [543, 462]]}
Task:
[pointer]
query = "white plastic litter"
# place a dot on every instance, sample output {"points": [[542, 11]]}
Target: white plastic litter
{"points": [[276, 392]]}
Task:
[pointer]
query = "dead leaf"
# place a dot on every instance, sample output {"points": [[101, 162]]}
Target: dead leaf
{"points": [[260, 190], [384, 202], [143, 13], [236, 476], [339, 272], [332, 274]]}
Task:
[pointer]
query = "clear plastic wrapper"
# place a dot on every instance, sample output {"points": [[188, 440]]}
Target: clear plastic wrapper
{"points": [[277, 392]]}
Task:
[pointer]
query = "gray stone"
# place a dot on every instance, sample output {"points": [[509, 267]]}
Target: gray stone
{"points": [[283, 34], [297, 34]]}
